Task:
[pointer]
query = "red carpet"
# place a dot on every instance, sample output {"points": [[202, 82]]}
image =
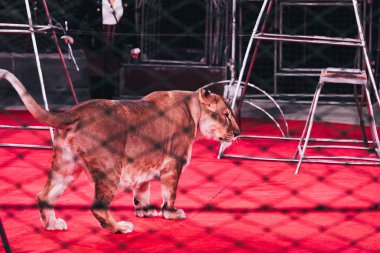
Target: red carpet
{"points": [[231, 205]]}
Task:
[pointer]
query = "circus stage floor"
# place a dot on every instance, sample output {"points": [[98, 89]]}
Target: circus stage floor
{"points": [[232, 205]]}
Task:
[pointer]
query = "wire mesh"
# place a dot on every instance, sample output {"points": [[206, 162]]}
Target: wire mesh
{"points": [[232, 205]]}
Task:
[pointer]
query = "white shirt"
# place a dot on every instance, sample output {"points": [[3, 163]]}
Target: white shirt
{"points": [[107, 12]]}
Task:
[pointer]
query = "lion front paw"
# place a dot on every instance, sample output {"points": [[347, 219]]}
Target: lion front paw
{"points": [[56, 224], [124, 227], [173, 214], [149, 211]]}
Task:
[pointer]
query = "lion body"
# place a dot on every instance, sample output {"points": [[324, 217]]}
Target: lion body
{"points": [[126, 144], [135, 139]]}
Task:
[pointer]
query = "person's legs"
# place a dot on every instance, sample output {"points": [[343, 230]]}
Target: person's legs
{"points": [[111, 70], [110, 82], [96, 87]]}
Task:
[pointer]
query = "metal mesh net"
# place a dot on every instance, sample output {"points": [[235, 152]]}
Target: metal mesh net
{"points": [[232, 205]]}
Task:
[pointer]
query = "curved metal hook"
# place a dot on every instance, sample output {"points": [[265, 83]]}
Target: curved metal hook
{"points": [[269, 116], [275, 103], [230, 82]]}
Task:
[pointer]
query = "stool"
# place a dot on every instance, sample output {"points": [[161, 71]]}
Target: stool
{"points": [[339, 76]]}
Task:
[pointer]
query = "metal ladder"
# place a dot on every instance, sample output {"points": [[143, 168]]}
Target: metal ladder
{"points": [[340, 77], [258, 34]]}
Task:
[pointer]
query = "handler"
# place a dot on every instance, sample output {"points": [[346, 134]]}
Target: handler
{"points": [[96, 26]]}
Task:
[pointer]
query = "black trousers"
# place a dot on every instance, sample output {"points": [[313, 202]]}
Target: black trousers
{"points": [[103, 63], [103, 87]]}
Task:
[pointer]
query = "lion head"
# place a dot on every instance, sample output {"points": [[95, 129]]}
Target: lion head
{"points": [[217, 119]]}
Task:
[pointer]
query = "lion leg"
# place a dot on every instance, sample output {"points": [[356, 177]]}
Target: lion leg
{"points": [[106, 185], [141, 200], [63, 173], [169, 184]]}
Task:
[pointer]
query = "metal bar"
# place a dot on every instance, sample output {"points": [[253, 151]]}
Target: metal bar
{"points": [[307, 129], [275, 104], [303, 95], [16, 145], [247, 52], [370, 20], [233, 46], [337, 146], [275, 50], [268, 115], [24, 25], [25, 127], [15, 31], [253, 60], [60, 53], [222, 146], [322, 42], [175, 62], [343, 158], [281, 30], [233, 41], [317, 70], [296, 74], [38, 61], [298, 139], [366, 58], [317, 4], [296, 160], [310, 37], [359, 107], [375, 136]]}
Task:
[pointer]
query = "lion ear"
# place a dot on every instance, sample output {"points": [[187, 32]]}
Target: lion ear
{"points": [[204, 96]]}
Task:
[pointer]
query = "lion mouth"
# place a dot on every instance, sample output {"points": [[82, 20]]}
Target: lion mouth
{"points": [[228, 137]]}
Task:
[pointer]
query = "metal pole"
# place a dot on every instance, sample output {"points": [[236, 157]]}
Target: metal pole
{"points": [[223, 145], [4, 238], [365, 53], [247, 53], [233, 41], [253, 60], [38, 62], [60, 53]]}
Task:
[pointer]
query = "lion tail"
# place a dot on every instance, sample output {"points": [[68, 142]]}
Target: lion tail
{"points": [[55, 120]]}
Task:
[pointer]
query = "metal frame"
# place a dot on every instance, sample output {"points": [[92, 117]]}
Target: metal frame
{"points": [[360, 43], [341, 76], [32, 29], [279, 70]]}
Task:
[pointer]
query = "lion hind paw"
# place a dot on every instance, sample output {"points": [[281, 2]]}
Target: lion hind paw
{"points": [[146, 212], [58, 224], [124, 227], [176, 214]]}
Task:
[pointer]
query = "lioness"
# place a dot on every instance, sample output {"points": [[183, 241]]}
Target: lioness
{"points": [[126, 144]]}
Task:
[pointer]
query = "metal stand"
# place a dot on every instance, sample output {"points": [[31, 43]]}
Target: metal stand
{"points": [[339, 76], [353, 42], [31, 29], [281, 68]]}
